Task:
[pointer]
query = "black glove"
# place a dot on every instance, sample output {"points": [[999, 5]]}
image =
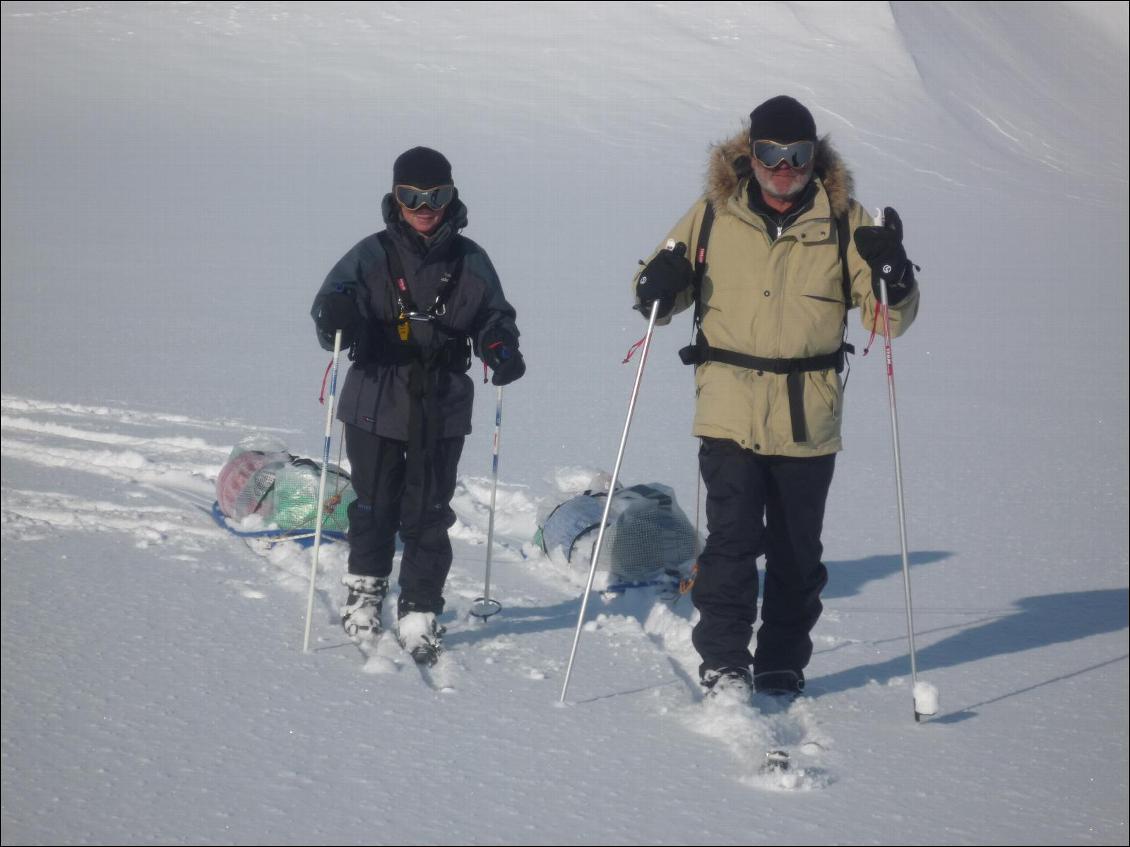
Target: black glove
{"points": [[339, 311], [500, 351], [881, 247], [664, 277]]}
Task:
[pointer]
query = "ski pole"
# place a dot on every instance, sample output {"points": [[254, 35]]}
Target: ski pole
{"points": [[923, 701], [484, 606], [608, 500], [318, 518]]}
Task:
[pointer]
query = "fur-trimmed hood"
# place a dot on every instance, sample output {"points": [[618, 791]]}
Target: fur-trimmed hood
{"points": [[730, 165]]}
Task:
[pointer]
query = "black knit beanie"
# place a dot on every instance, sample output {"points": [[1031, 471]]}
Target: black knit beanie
{"points": [[421, 167], [781, 119]]}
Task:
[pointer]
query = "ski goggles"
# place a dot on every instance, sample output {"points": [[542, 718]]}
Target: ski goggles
{"points": [[796, 155], [412, 198]]}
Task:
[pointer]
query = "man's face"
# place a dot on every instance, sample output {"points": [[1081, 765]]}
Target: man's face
{"points": [[782, 183]]}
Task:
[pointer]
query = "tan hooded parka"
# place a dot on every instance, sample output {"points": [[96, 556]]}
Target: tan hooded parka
{"points": [[776, 299]]}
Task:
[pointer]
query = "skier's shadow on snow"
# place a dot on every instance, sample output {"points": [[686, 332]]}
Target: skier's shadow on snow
{"points": [[1035, 622], [520, 620], [846, 579]]}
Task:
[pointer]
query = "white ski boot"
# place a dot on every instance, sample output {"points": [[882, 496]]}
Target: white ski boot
{"points": [[361, 614], [421, 636]]}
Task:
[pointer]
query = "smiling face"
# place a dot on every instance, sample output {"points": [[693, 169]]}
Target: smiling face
{"points": [[424, 220]]}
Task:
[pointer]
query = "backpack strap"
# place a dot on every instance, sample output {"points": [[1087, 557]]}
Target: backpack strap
{"points": [[403, 293], [843, 236], [397, 276], [700, 260]]}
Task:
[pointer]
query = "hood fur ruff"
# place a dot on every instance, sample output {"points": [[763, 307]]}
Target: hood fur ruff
{"points": [[730, 164]]}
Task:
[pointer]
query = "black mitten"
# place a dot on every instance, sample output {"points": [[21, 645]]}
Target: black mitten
{"points": [[881, 247], [500, 352], [339, 311], [664, 277]]}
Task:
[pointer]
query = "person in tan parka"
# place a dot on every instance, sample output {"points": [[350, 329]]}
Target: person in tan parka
{"points": [[782, 251]]}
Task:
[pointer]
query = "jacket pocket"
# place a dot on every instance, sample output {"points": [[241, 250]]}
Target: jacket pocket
{"points": [[822, 407], [822, 273], [829, 394]]}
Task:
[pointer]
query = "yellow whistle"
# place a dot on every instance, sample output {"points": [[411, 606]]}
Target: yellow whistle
{"points": [[402, 328]]}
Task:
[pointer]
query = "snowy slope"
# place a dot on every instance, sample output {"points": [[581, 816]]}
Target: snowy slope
{"points": [[177, 179]]}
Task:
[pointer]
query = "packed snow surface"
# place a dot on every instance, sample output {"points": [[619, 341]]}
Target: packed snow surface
{"points": [[179, 177]]}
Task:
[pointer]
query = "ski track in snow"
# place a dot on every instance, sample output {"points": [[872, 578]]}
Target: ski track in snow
{"points": [[181, 469], [154, 688], [748, 731]]}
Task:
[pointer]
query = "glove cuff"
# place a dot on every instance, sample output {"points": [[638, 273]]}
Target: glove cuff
{"points": [[500, 337]]}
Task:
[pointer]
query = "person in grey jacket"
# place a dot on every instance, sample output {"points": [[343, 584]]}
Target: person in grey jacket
{"points": [[412, 303]]}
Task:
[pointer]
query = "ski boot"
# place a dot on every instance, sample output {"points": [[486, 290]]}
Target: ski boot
{"points": [[784, 685], [361, 614], [728, 685], [420, 635]]}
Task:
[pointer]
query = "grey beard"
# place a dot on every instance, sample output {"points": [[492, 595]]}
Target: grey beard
{"points": [[798, 187]]}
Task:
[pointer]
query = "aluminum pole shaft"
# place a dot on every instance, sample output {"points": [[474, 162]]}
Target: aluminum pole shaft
{"points": [[608, 499], [493, 491], [318, 516]]}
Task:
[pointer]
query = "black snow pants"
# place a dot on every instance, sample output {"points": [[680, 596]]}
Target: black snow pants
{"points": [[760, 503], [389, 498]]}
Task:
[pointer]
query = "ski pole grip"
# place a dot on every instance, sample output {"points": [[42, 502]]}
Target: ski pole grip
{"points": [[676, 247]]}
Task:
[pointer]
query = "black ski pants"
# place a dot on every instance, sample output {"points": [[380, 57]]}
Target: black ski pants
{"points": [[418, 505], [754, 504]]}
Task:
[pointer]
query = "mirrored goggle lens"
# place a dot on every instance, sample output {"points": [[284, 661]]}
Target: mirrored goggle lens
{"points": [[771, 153], [413, 198]]}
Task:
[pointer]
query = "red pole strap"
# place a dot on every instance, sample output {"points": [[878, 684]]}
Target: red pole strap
{"points": [[632, 350], [325, 377], [874, 327]]}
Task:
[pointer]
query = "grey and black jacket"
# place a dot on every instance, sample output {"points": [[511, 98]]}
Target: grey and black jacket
{"points": [[385, 374]]}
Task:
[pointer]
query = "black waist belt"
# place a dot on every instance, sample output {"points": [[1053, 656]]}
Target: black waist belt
{"points": [[700, 352], [454, 354]]}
